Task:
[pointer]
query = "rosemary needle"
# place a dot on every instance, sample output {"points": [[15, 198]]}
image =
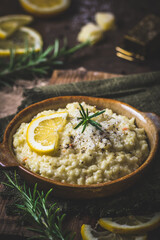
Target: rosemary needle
{"points": [[46, 220], [86, 119], [35, 64]]}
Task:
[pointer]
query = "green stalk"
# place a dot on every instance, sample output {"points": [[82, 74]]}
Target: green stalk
{"points": [[47, 221], [32, 64]]}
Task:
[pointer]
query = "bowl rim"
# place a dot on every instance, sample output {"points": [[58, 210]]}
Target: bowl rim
{"points": [[139, 170]]}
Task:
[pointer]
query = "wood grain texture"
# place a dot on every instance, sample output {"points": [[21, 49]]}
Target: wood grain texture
{"points": [[80, 74]]}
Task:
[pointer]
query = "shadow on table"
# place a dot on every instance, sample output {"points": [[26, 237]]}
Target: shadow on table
{"points": [[12, 237]]}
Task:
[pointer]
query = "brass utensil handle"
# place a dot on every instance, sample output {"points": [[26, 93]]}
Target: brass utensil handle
{"points": [[6, 159], [155, 118]]}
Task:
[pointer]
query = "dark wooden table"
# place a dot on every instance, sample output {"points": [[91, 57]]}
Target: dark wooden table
{"points": [[100, 57]]}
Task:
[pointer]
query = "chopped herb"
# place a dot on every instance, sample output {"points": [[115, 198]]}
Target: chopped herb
{"points": [[86, 119]]}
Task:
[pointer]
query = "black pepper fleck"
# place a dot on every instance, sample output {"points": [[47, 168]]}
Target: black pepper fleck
{"points": [[67, 146]]}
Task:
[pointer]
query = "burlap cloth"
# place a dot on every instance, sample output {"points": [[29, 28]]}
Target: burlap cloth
{"points": [[141, 91]]}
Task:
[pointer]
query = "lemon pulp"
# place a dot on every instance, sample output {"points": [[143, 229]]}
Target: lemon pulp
{"points": [[88, 233], [45, 8], [9, 24], [23, 38], [90, 32], [43, 132], [48, 3], [131, 224], [105, 20]]}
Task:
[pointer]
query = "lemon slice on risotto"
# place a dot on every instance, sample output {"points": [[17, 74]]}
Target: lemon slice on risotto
{"points": [[88, 233], [45, 8], [131, 224], [43, 132]]}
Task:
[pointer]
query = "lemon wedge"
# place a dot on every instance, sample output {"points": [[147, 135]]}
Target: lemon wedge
{"points": [[22, 38], [131, 224], [88, 233], [45, 8], [105, 20], [43, 132], [90, 32], [9, 24]]}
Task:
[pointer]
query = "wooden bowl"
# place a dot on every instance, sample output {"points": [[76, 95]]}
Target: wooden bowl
{"points": [[65, 190]]}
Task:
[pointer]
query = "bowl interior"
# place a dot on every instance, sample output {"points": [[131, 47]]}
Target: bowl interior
{"points": [[60, 102]]}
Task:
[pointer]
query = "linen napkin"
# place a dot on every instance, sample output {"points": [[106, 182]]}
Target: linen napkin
{"points": [[139, 90]]}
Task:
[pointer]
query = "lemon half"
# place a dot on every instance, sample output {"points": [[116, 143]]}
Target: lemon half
{"points": [[90, 32], [43, 132], [88, 233], [22, 38], [10, 23], [105, 20], [131, 224], [45, 8]]}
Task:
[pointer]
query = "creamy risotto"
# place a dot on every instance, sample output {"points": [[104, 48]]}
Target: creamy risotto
{"points": [[90, 157]]}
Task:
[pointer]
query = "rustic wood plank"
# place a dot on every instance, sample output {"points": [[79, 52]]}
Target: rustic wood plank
{"points": [[80, 74]]}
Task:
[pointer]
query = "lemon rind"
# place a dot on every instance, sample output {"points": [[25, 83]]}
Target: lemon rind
{"points": [[32, 8], [85, 232], [125, 229], [16, 16], [36, 48], [4, 34], [37, 147]]}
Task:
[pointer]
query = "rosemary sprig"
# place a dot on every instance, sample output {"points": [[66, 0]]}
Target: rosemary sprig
{"points": [[47, 221], [31, 63], [86, 119]]}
